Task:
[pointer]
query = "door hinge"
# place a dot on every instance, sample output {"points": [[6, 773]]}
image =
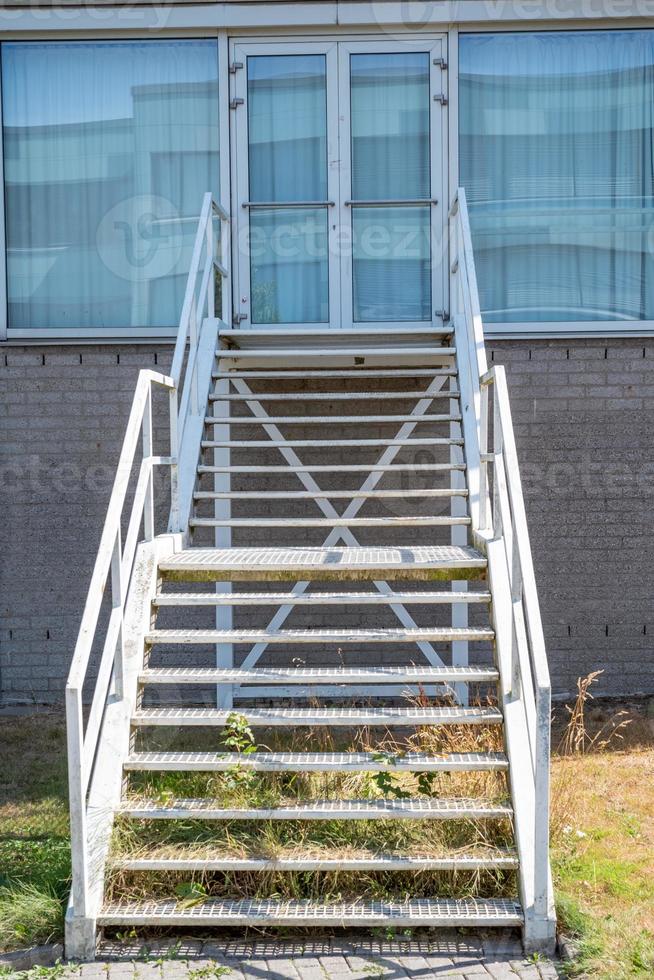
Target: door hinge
{"points": [[238, 318], [440, 63], [235, 66], [235, 103], [441, 98]]}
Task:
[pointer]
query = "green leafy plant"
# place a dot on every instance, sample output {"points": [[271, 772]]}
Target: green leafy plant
{"points": [[190, 893], [238, 735]]}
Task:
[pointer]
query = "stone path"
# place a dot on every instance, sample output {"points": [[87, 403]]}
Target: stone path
{"points": [[455, 956]]}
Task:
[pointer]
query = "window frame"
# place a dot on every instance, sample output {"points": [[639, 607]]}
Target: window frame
{"points": [[536, 329], [86, 334]]}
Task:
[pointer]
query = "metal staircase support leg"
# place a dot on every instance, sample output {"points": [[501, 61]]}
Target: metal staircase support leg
{"points": [[459, 508], [223, 539]]}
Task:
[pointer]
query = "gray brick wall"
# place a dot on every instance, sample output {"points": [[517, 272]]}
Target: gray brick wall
{"points": [[583, 412], [584, 418]]}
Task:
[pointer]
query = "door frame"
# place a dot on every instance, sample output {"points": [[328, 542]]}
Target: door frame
{"points": [[337, 51], [435, 47]]}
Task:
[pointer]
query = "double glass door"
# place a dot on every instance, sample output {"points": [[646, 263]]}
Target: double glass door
{"points": [[339, 162]]}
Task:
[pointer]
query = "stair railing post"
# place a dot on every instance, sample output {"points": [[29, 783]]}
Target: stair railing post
{"points": [[77, 793], [117, 603], [173, 409], [148, 504], [484, 460], [211, 258]]}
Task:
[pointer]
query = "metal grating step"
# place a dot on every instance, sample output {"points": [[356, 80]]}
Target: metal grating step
{"points": [[447, 912], [421, 809], [286, 355], [461, 861], [315, 762], [252, 337], [329, 494], [340, 468], [275, 375], [437, 634], [327, 419], [327, 443], [383, 522], [309, 717], [329, 396], [310, 564], [316, 598], [318, 675]]}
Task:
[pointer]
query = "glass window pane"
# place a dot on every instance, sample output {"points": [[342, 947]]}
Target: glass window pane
{"points": [[557, 159], [108, 150], [391, 264], [390, 126], [288, 265], [287, 128]]}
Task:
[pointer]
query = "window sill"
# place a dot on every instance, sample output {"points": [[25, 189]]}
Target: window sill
{"points": [[568, 330]]}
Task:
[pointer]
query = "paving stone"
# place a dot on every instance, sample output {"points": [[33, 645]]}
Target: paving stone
{"points": [[254, 969], [415, 966], [282, 968], [500, 970], [525, 970], [335, 966], [548, 971], [147, 971], [309, 968]]}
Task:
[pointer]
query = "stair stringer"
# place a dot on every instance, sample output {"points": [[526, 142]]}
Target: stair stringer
{"points": [[539, 931], [105, 787]]}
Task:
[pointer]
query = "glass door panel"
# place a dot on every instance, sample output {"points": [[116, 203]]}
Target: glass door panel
{"points": [[339, 160], [287, 188], [391, 186]]}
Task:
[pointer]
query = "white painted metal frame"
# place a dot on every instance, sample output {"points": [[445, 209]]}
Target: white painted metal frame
{"points": [[337, 533], [240, 194], [499, 528], [4, 313], [188, 385], [435, 47], [337, 54]]}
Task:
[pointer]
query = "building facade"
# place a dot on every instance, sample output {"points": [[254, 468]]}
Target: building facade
{"points": [[335, 135]]}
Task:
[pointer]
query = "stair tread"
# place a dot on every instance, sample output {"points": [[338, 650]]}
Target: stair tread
{"points": [[418, 912], [327, 559], [327, 443], [319, 716], [334, 419], [315, 598], [439, 520], [411, 809], [315, 761], [323, 675], [329, 396], [335, 494], [293, 353], [410, 635], [370, 372], [395, 861]]}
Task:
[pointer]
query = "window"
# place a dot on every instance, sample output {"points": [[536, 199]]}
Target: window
{"points": [[108, 149], [557, 160]]}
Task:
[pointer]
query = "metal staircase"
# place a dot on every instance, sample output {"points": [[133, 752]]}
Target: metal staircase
{"points": [[347, 576]]}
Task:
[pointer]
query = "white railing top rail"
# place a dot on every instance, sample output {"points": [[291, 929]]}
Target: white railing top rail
{"points": [[114, 562]]}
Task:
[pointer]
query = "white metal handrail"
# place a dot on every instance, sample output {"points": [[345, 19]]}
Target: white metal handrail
{"points": [[498, 515], [115, 560]]}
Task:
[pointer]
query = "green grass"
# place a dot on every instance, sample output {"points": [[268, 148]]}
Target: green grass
{"points": [[34, 843]]}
